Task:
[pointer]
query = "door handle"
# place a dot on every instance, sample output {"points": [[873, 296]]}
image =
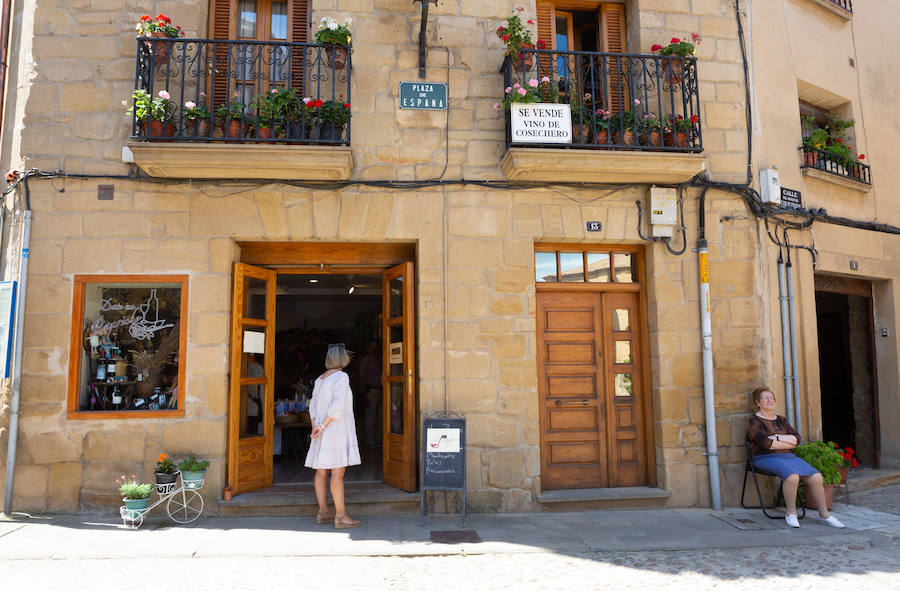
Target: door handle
{"points": [[572, 402]]}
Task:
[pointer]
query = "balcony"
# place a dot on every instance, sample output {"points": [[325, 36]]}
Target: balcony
{"points": [[635, 118], [841, 8], [826, 166], [249, 118]]}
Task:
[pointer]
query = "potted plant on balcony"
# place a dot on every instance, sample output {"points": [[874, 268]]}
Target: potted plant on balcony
{"points": [[303, 118], [338, 40], [602, 127], [678, 128], [196, 118], [517, 37], [674, 52], [265, 110], [826, 459], [333, 116], [231, 117], [650, 126], [193, 471], [815, 141], [166, 473], [161, 26], [136, 495], [623, 123]]}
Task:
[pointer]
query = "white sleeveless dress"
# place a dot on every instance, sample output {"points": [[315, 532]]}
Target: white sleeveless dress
{"points": [[337, 446]]}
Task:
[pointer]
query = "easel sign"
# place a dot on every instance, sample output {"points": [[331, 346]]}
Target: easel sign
{"points": [[7, 311], [444, 459]]}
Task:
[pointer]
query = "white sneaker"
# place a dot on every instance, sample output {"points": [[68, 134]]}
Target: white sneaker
{"points": [[792, 521], [833, 521]]}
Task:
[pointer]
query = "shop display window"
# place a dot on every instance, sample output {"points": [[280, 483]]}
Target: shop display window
{"points": [[128, 344]]}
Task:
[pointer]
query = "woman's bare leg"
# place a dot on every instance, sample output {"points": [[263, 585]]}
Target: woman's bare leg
{"points": [[337, 491], [320, 482], [816, 490], [789, 489]]}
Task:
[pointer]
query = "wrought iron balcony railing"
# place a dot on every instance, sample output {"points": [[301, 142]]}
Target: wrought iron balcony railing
{"points": [[618, 101], [822, 160], [230, 91], [845, 4]]}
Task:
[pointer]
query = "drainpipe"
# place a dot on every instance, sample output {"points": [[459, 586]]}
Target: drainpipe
{"points": [[785, 341], [794, 372], [709, 402], [19, 335]]}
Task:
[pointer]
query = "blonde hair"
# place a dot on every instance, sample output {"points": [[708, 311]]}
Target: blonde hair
{"points": [[338, 357]]}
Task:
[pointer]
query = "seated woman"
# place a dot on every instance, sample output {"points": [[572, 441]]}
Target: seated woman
{"points": [[771, 440]]}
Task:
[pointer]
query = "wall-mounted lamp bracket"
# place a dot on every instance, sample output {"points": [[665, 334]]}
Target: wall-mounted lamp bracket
{"points": [[423, 28]]}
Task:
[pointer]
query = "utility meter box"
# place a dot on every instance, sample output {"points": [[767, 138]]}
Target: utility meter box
{"points": [[769, 186], [663, 211]]}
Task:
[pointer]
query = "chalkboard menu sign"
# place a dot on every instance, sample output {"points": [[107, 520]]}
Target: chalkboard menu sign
{"points": [[444, 457]]}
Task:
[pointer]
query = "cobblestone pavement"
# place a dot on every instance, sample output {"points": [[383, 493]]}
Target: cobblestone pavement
{"points": [[885, 499]]}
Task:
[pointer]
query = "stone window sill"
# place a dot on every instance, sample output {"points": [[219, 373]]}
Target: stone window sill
{"points": [[242, 161], [600, 166]]}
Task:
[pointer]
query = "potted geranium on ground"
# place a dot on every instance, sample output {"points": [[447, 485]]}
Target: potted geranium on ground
{"points": [[193, 471], [848, 461], [161, 26], [136, 495], [673, 66], [825, 458], [338, 39]]}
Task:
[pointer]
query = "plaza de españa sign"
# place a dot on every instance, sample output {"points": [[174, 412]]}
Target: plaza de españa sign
{"points": [[426, 96]]}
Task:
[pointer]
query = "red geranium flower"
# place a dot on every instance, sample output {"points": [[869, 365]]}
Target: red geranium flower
{"points": [[505, 38], [347, 105], [862, 156], [694, 119], [656, 47], [530, 22], [318, 103], [839, 140], [675, 40], [540, 44], [146, 17]]}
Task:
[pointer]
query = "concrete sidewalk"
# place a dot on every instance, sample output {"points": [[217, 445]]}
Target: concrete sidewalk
{"points": [[83, 537]]}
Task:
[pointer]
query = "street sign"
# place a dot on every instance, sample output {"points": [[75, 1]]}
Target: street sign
{"points": [[427, 96], [790, 198]]}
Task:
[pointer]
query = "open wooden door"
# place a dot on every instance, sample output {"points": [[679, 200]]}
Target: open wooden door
{"points": [[399, 377], [252, 383]]}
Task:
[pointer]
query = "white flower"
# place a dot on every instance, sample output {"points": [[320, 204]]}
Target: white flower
{"points": [[333, 26], [164, 95], [349, 21], [190, 105]]}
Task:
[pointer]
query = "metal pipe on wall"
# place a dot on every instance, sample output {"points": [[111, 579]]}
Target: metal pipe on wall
{"points": [[709, 401], [18, 343], [785, 342], [794, 371]]}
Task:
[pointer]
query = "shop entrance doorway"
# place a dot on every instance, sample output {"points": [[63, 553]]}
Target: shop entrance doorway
{"points": [[847, 376], [283, 318]]}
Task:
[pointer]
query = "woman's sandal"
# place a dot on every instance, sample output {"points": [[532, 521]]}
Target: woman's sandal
{"points": [[323, 518], [345, 522]]}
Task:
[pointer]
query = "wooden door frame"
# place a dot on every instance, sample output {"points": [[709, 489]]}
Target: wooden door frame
{"points": [[640, 271]]}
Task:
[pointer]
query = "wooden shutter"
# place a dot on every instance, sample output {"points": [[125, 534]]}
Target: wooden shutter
{"points": [[612, 40], [221, 27], [546, 32], [298, 32]]}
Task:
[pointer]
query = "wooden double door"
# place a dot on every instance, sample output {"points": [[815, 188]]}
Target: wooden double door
{"points": [[252, 377], [592, 389]]}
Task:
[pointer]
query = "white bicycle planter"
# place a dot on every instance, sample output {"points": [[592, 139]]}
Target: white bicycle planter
{"points": [[183, 503]]}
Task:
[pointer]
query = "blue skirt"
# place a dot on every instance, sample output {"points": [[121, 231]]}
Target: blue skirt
{"points": [[783, 464]]}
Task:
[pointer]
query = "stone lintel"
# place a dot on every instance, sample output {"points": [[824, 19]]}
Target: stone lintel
{"points": [[843, 181], [243, 161], [600, 166]]}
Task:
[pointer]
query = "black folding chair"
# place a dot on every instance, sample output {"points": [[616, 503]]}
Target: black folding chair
{"points": [[750, 468]]}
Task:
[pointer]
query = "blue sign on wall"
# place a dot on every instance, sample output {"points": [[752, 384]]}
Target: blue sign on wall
{"points": [[428, 96], [7, 310]]}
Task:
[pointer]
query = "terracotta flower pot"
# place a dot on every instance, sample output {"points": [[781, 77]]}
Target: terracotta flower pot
{"points": [[810, 158], [336, 57], [625, 137], [668, 138], [159, 49], [655, 138], [235, 128], [829, 498], [197, 128], [159, 129], [844, 471], [581, 134], [673, 69], [681, 139], [265, 133], [601, 137], [524, 61]]}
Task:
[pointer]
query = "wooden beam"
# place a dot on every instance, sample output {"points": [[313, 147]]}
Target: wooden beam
{"points": [[326, 253]]}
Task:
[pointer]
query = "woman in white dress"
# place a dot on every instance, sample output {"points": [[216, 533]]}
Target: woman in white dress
{"points": [[333, 446]]}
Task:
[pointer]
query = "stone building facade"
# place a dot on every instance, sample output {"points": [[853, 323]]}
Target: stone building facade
{"points": [[474, 228]]}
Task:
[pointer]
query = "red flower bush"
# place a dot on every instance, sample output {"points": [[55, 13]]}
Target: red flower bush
{"points": [[847, 454]]}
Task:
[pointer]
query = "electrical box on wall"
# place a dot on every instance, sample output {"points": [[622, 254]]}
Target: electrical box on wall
{"points": [[769, 186], [663, 211]]}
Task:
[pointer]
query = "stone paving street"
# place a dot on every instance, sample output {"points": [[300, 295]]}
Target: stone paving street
{"points": [[670, 549]]}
